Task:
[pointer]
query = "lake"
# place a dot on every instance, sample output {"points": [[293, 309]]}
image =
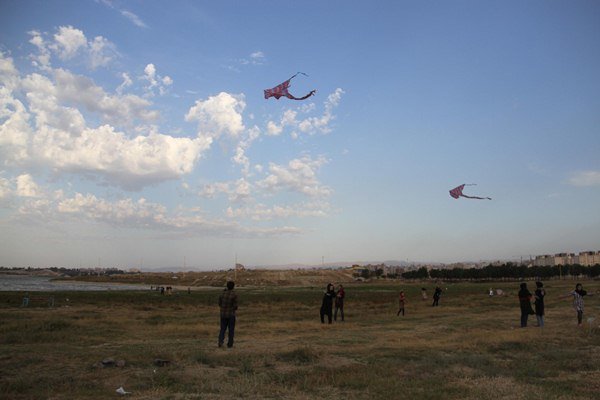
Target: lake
{"points": [[46, 284]]}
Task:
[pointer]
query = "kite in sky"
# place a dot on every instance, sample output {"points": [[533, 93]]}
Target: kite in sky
{"points": [[457, 192], [282, 90]]}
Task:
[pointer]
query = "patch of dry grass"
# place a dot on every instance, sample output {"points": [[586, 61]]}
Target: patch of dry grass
{"points": [[469, 347]]}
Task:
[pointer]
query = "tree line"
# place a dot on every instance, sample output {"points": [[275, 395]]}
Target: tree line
{"points": [[508, 270]]}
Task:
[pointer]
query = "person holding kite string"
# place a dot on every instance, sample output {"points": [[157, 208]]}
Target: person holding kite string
{"points": [[578, 295]]}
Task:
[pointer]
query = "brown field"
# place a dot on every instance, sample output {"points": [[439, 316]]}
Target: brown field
{"points": [[468, 348], [245, 278]]}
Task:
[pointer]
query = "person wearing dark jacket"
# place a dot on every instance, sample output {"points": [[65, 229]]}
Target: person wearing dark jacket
{"points": [[436, 296], [228, 304], [539, 294], [525, 303], [327, 303]]}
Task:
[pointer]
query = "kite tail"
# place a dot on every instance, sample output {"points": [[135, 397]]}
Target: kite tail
{"points": [[312, 93], [475, 197]]}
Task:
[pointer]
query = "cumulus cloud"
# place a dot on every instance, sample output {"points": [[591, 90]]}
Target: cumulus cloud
{"points": [[300, 175], [218, 115], [309, 125], [240, 157], [155, 81], [42, 58], [69, 43], [50, 130], [26, 187], [585, 178], [81, 91]]}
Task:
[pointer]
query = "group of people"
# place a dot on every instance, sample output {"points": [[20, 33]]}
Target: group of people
{"points": [[525, 298], [228, 304], [332, 297]]}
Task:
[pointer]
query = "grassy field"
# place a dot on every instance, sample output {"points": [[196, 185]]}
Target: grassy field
{"points": [[470, 347]]}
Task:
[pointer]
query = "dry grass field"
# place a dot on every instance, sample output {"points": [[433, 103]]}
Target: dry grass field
{"points": [[470, 347]]}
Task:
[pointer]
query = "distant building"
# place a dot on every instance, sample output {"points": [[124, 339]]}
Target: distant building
{"points": [[585, 258], [589, 258], [239, 267]]}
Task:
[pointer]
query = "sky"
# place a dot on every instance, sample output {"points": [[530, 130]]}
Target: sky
{"points": [[135, 134]]}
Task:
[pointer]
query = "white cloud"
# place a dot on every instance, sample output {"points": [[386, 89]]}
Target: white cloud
{"points": [[287, 119], [218, 115], [321, 124], [237, 191], [42, 59], [26, 187], [69, 43], [155, 81], [5, 188], [255, 58], [300, 175], [137, 21], [585, 178], [82, 91], [262, 212], [310, 125], [127, 82], [137, 214], [240, 157], [62, 140]]}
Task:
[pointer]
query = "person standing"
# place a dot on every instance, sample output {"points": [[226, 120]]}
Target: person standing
{"points": [[525, 304], [339, 303], [228, 304], [327, 303], [436, 296], [578, 295], [539, 295], [401, 304]]}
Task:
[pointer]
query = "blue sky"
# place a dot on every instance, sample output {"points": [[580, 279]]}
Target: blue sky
{"points": [[135, 133]]}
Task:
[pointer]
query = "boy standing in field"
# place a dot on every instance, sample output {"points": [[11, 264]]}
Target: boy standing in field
{"points": [[401, 301], [228, 305]]}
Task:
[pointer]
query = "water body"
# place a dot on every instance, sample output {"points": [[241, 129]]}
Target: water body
{"points": [[46, 284]]}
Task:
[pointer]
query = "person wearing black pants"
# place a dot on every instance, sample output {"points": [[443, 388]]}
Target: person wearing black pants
{"points": [[327, 303], [436, 296], [525, 304]]}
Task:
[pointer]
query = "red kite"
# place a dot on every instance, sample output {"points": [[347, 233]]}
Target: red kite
{"points": [[457, 192], [282, 90]]}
